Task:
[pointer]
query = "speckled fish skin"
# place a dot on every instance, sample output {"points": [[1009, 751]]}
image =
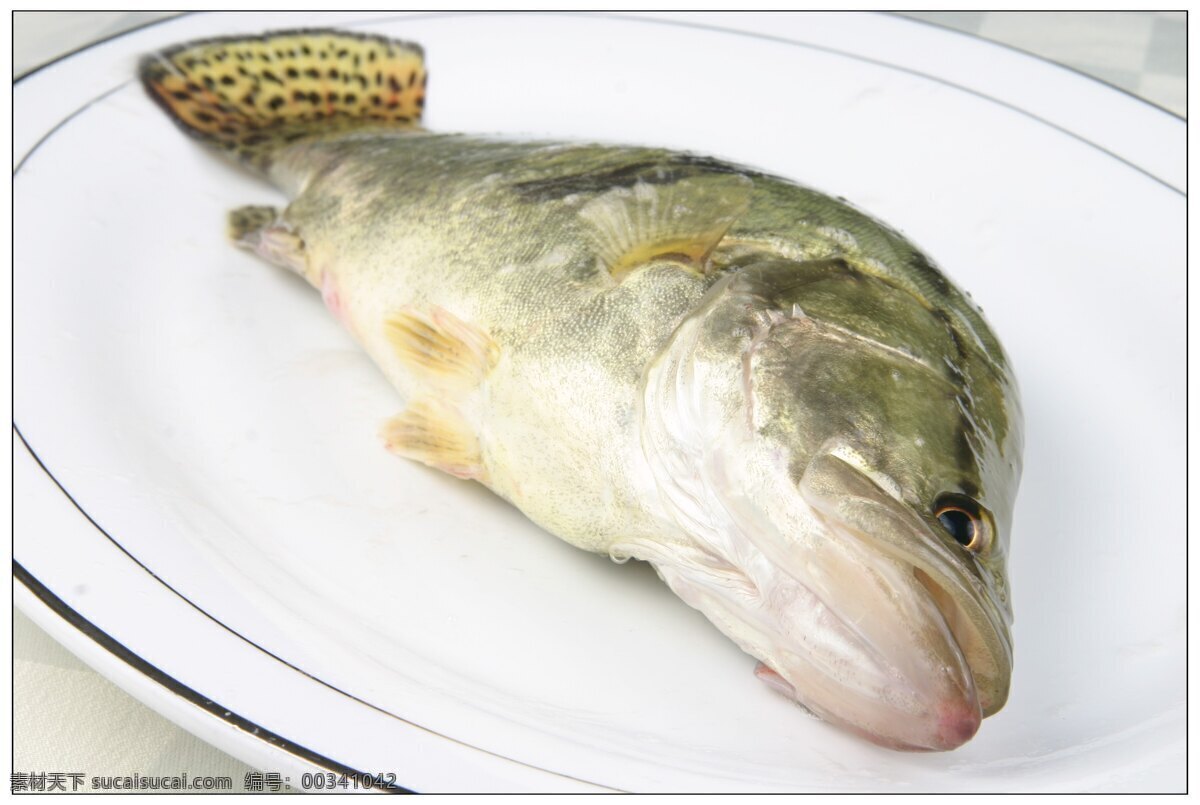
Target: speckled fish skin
{"points": [[772, 409]]}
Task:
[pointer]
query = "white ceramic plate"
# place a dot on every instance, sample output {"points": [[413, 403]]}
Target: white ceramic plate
{"points": [[205, 514]]}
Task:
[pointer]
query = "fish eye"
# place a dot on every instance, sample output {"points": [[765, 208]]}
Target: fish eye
{"points": [[963, 519]]}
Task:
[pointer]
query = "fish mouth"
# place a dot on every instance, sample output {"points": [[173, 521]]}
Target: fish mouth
{"points": [[933, 651], [857, 610]]}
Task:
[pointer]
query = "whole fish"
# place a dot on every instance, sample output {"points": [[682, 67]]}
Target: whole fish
{"points": [[776, 400]]}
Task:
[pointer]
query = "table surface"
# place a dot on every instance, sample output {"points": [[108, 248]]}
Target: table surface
{"points": [[68, 719]]}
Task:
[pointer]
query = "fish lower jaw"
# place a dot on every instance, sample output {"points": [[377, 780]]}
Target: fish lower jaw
{"points": [[942, 724], [917, 694], [938, 583], [953, 726], [820, 660], [898, 714], [982, 651]]}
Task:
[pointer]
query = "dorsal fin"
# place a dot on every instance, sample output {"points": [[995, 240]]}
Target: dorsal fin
{"points": [[682, 221]]}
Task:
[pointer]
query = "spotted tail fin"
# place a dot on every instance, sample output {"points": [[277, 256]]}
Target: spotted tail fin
{"points": [[249, 96]]}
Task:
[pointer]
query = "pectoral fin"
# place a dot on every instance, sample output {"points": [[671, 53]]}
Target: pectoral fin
{"points": [[682, 221], [441, 346], [451, 358]]}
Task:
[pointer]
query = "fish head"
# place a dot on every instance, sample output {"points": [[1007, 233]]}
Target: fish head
{"points": [[843, 455]]}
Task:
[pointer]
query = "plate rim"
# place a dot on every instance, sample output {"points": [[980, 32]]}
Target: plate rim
{"points": [[1022, 51], [893, 14], [72, 617], [649, 18]]}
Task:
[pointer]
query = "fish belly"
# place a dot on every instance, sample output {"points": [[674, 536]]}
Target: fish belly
{"points": [[427, 233]]}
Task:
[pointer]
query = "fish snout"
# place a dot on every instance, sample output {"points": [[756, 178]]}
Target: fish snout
{"points": [[957, 723]]}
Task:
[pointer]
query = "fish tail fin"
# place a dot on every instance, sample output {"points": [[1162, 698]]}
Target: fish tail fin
{"points": [[251, 96]]}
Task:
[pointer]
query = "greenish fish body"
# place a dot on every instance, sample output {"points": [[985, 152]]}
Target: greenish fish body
{"points": [[776, 400]]}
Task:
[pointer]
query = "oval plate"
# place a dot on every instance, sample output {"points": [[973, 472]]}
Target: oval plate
{"points": [[207, 517]]}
